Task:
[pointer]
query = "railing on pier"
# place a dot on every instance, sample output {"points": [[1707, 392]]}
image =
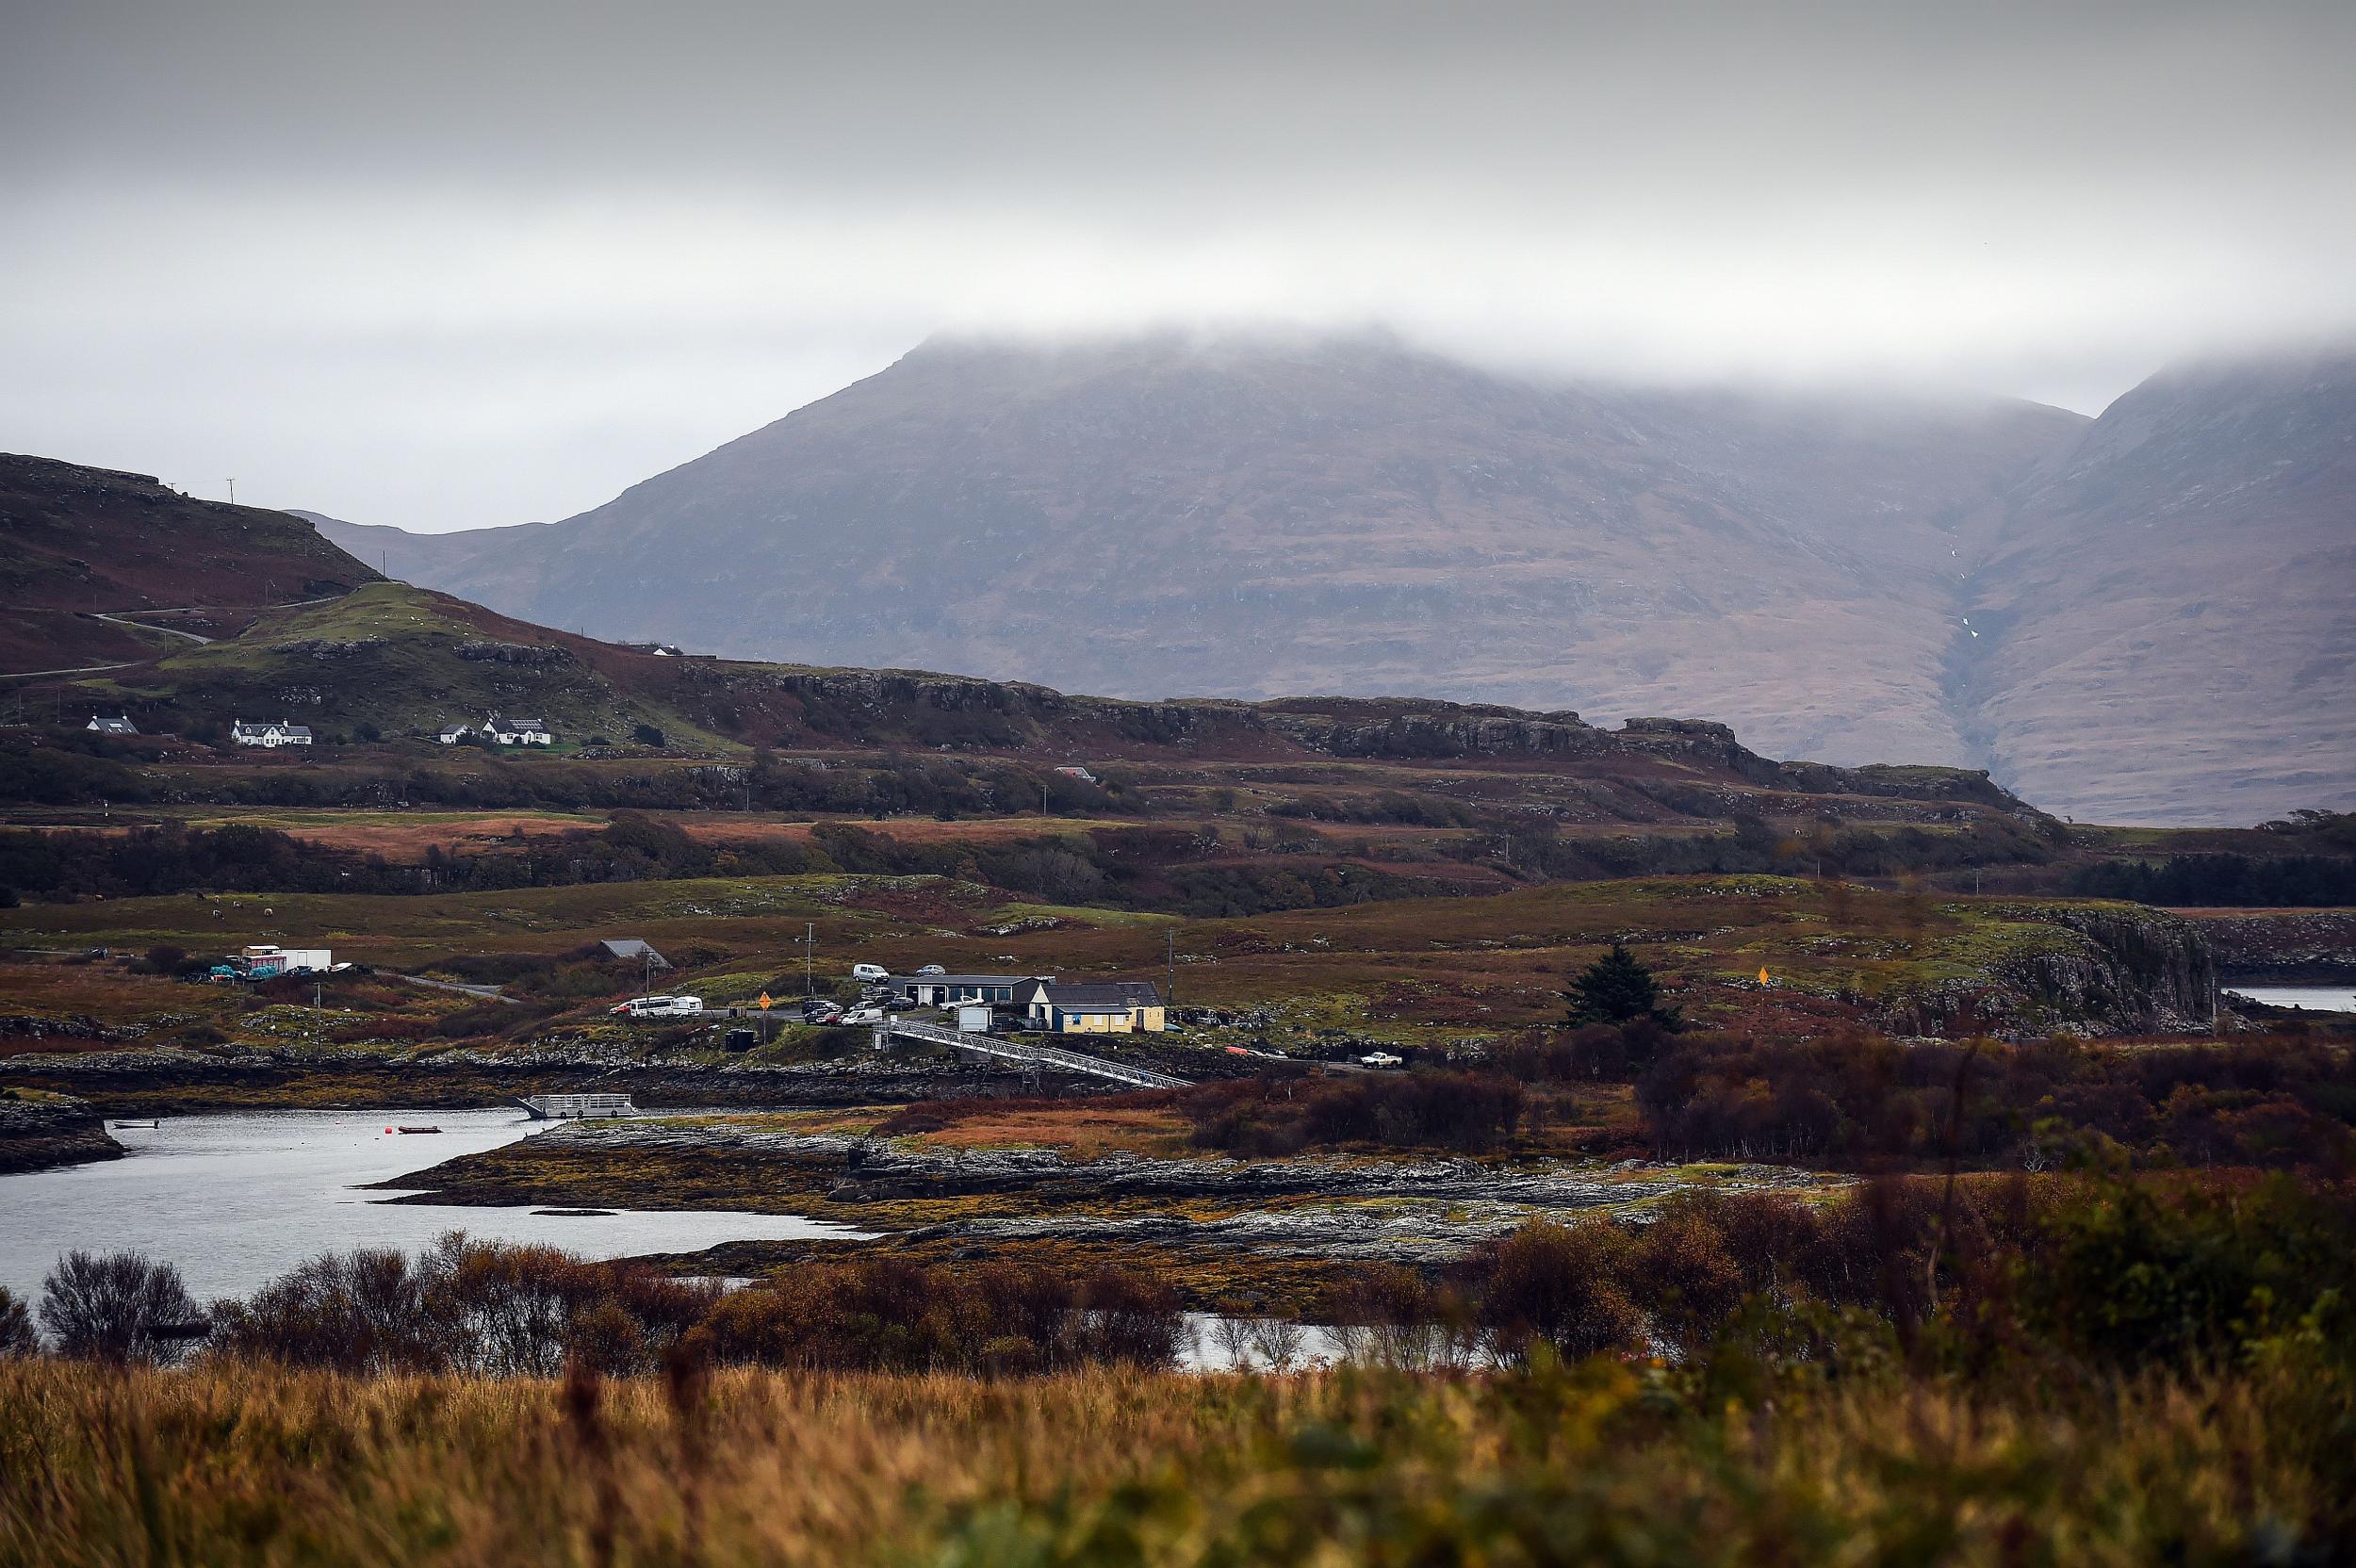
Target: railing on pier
{"points": [[563, 1107], [1017, 1049]]}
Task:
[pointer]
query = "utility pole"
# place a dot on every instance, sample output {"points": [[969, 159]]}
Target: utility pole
{"points": [[1170, 989], [233, 492], [809, 956]]}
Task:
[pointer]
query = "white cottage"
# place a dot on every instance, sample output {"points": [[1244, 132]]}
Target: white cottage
{"points": [[271, 733], [517, 732]]}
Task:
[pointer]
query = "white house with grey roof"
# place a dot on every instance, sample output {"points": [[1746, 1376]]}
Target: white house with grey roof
{"points": [[1100, 1007], [121, 725], [518, 732], [269, 733], [948, 990]]}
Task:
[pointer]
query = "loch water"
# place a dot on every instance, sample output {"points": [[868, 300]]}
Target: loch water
{"points": [[2326, 999], [237, 1199]]}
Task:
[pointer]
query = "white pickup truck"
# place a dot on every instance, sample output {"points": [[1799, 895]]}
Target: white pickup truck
{"points": [[660, 1006]]}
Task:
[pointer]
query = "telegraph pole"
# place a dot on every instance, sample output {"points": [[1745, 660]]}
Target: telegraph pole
{"points": [[1169, 988], [233, 492], [809, 956]]}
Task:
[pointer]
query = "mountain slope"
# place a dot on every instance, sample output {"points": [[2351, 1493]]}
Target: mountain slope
{"points": [[1162, 517], [75, 541], [2168, 609]]}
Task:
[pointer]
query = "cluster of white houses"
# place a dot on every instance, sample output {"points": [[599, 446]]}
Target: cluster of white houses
{"points": [[273, 733], [506, 732], [1042, 1002], [269, 733]]}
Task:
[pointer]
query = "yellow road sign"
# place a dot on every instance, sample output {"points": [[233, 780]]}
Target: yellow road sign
{"points": [[1763, 980], [764, 1002]]}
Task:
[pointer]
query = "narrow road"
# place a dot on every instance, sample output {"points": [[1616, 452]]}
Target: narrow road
{"points": [[116, 617], [487, 993], [142, 625], [78, 669]]}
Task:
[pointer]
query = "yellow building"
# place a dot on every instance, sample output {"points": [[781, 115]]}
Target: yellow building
{"points": [[1115, 1007]]}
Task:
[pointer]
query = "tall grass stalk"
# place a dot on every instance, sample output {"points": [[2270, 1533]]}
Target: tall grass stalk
{"points": [[230, 1463]]}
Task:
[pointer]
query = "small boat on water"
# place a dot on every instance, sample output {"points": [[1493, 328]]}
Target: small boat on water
{"points": [[413, 1129], [139, 1124]]}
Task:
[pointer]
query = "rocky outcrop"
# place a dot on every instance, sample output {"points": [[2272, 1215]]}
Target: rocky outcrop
{"points": [[2100, 969], [38, 1133], [531, 656], [2281, 945], [855, 1170]]}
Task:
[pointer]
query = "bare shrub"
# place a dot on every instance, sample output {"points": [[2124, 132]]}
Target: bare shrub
{"points": [[120, 1309], [17, 1335]]}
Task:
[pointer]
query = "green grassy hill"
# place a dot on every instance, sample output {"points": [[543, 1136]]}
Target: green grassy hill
{"points": [[405, 662]]}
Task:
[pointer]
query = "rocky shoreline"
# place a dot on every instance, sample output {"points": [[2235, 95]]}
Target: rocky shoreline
{"points": [[41, 1133], [947, 1199], [174, 1081]]}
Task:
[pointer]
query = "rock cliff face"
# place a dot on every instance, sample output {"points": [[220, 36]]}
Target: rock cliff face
{"points": [[2103, 969], [55, 1129]]}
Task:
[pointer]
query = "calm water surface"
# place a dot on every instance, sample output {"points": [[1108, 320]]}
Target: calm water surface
{"points": [[2329, 999], [236, 1199]]}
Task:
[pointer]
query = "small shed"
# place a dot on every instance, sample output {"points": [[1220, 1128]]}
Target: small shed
{"points": [[631, 950]]}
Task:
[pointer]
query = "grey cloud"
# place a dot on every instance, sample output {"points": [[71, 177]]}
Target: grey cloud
{"points": [[439, 264]]}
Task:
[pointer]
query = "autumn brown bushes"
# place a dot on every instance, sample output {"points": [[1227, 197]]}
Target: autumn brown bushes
{"points": [[1462, 1111], [994, 1318], [498, 1310], [1859, 1099], [2114, 1275]]}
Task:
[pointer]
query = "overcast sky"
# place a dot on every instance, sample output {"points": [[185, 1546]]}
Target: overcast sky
{"points": [[448, 266]]}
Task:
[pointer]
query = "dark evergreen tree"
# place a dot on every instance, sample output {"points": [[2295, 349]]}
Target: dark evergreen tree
{"points": [[1617, 989]]}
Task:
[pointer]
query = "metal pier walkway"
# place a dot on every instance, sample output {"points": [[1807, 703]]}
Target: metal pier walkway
{"points": [[565, 1107], [1015, 1048]]}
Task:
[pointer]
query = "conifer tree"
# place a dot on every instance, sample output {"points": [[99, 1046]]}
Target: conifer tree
{"points": [[1617, 989]]}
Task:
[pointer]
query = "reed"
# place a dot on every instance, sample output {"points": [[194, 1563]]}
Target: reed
{"points": [[1606, 1461]]}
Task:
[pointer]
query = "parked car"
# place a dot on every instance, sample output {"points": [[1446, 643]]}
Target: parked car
{"points": [[900, 1004], [819, 1011], [660, 1006], [932, 968], [870, 972], [863, 1015]]}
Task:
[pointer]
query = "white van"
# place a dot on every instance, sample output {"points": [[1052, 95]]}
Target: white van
{"points": [[660, 1006], [870, 972]]}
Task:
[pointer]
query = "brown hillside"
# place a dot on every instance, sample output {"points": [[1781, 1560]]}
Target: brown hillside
{"points": [[75, 542], [1162, 518]]}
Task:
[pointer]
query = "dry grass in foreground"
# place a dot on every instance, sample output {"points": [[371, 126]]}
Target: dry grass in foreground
{"points": [[1602, 1461]]}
